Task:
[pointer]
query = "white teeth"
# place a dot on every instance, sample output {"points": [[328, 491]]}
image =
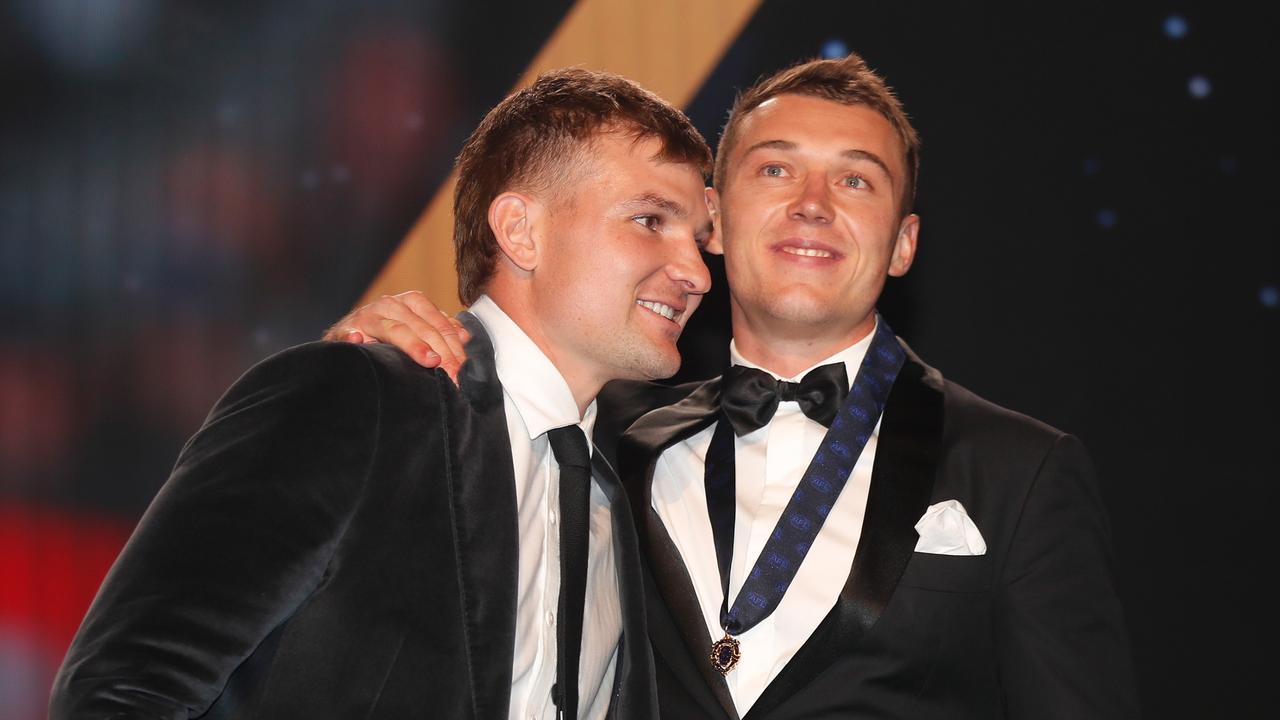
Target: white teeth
{"points": [[665, 311], [807, 252]]}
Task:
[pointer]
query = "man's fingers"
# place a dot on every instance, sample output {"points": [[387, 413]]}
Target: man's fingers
{"points": [[404, 337], [449, 329], [346, 334], [463, 332], [367, 321], [443, 342], [412, 323]]}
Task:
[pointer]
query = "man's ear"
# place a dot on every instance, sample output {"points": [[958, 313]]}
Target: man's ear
{"points": [[904, 246], [715, 244], [515, 219]]}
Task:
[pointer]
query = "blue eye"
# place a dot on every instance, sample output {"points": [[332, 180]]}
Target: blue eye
{"points": [[773, 171], [855, 181]]}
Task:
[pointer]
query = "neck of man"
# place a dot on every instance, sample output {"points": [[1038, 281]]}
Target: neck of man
{"points": [[787, 348], [583, 384]]}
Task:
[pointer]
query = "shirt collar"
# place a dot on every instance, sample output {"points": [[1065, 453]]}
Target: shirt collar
{"points": [[536, 388], [850, 356]]}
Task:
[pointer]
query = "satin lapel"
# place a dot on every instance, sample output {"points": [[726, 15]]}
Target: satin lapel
{"points": [[901, 485], [637, 696], [638, 453], [655, 431], [483, 496]]}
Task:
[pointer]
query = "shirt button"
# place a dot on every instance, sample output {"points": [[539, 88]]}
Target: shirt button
{"points": [[551, 618], [552, 515]]}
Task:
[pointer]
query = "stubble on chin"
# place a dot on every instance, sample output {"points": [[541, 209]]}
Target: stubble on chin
{"points": [[644, 360], [786, 306]]}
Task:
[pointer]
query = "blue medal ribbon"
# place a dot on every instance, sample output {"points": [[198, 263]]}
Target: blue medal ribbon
{"points": [[807, 510]]}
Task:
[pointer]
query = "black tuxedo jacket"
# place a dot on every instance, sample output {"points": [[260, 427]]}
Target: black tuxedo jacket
{"points": [[1032, 629], [338, 541]]}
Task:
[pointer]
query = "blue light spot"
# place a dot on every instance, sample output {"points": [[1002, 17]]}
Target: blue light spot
{"points": [[1199, 87], [1107, 219], [1092, 166], [1175, 27], [228, 113], [1269, 296], [1228, 165], [834, 48]]}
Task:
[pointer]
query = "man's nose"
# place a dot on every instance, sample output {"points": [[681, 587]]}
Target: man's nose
{"points": [[813, 201], [688, 269]]}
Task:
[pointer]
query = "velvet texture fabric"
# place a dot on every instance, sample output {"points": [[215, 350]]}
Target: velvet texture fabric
{"points": [[1031, 629], [337, 541]]}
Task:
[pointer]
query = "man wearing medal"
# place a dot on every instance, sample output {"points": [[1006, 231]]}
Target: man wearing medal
{"points": [[832, 530]]}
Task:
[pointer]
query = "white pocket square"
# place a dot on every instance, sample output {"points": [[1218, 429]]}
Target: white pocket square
{"points": [[945, 529]]}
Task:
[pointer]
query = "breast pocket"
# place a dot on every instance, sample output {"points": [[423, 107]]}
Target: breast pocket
{"points": [[948, 573]]}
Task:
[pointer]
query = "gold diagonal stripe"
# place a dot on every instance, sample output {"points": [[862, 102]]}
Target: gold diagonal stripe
{"points": [[668, 46]]}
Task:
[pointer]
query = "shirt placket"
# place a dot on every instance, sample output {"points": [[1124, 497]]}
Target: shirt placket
{"points": [[540, 705]]}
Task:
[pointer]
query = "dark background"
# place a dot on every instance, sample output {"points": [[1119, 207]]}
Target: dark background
{"points": [[188, 187]]}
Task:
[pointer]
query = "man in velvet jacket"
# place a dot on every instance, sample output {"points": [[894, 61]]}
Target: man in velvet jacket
{"points": [[965, 570], [350, 535]]}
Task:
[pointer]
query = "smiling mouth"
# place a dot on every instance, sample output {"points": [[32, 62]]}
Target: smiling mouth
{"points": [[806, 252], [658, 308]]}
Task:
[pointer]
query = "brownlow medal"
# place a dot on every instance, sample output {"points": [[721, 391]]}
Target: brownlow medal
{"points": [[725, 653]]}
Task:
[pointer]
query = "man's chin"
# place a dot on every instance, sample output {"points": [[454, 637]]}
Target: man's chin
{"points": [[801, 308], [654, 364]]}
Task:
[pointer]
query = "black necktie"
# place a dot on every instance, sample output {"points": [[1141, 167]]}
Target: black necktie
{"points": [[750, 397], [569, 445]]}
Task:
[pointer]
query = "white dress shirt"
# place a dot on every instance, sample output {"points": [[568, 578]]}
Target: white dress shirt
{"points": [[537, 399], [769, 463]]}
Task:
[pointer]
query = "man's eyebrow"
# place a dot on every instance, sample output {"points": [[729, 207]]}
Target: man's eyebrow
{"points": [[851, 154], [677, 210], [771, 145], [870, 156]]}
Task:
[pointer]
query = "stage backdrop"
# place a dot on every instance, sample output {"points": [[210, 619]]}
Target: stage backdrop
{"points": [[188, 187]]}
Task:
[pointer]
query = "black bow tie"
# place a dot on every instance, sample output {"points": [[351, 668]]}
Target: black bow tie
{"points": [[750, 397]]}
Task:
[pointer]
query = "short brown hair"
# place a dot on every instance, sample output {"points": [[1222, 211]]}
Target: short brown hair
{"points": [[530, 139], [846, 80]]}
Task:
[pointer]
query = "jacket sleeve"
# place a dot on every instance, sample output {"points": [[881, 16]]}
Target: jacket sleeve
{"points": [[1063, 648], [237, 538]]}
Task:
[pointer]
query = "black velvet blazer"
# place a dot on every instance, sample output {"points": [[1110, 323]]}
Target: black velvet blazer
{"points": [[337, 541], [1030, 630]]}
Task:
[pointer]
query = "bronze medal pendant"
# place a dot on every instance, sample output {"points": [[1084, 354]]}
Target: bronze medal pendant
{"points": [[725, 654]]}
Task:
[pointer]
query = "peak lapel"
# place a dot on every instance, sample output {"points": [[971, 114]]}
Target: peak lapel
{"points": [[657, 430], [901, 485], [638, 453]]}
